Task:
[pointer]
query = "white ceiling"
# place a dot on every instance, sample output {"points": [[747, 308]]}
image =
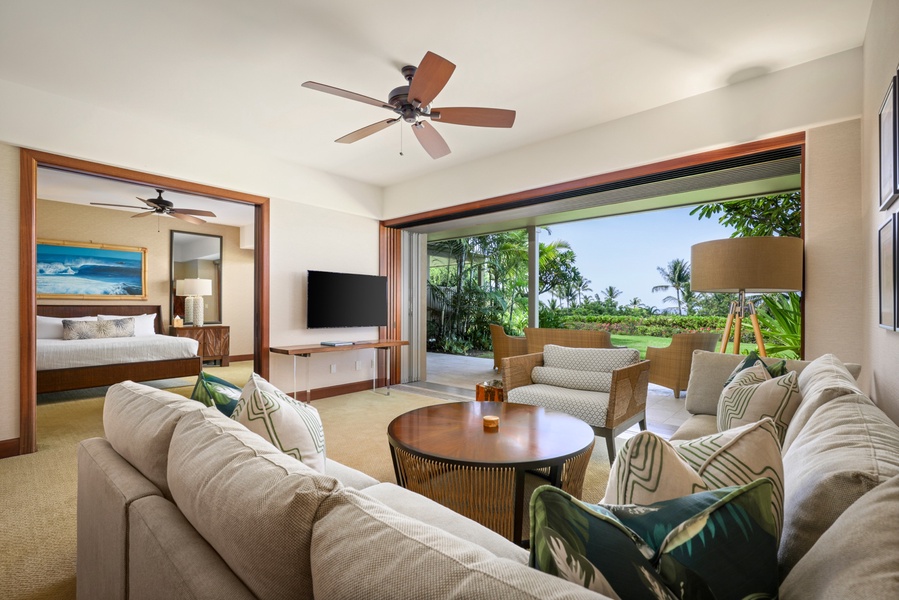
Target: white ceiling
{"points": [[233, 68]]}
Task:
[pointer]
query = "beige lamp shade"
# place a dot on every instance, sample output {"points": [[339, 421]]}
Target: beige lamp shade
{"points": [[748, 264], [193, 287]]}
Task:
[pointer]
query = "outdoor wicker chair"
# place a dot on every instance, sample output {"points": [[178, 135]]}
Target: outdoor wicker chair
{"points": [[505, 345], [670, 366]]}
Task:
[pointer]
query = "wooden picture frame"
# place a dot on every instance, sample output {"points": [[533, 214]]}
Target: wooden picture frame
{"points": [[886, 263], [889, 156], [84, 271]]}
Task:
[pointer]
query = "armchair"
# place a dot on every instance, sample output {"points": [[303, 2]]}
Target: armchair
{"points": [[670, 366], [505, 345], [606, 388]]}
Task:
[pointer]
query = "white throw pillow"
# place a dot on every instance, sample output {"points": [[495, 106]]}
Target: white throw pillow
{"points": [[50, 328], [144, 325], [292, 426], [754, 395]]}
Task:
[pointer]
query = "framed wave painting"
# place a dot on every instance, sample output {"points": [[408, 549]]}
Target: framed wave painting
{"points": [[78, 271]]}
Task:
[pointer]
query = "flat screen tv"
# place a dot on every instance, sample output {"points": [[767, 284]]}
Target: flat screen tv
{"points": [[345, 300]]}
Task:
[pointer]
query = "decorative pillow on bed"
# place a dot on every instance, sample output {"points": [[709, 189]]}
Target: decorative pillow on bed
{"points": [[144, 325], [293, 427], [713, 544], [89, 330], [212, 391], [50, 328]]}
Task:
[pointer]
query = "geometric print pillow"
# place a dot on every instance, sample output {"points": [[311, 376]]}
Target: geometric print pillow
{"points": [[713, 544], [753, 395], [589, 359], [649, 469], [73, 329], [292, 426]]}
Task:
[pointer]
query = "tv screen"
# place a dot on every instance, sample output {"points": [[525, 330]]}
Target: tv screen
{"points": [[345, 300]]}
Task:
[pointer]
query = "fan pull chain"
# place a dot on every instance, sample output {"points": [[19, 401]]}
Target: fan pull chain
{"points": [[401, 141]]}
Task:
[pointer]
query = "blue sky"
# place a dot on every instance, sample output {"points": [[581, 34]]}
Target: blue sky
{"points": [[625, 250]]}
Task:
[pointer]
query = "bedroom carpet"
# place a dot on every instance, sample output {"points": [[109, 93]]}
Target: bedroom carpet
{"points": [[37, 528]]}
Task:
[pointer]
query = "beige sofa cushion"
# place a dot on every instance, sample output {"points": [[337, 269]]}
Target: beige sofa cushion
{"points": [[253, 504], [138, 421], [847, 448], [364, 549], [709, 371], [696, 426], [858, 557]]}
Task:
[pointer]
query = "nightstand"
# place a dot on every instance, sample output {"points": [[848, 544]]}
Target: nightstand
{"points": [[215, 341]]}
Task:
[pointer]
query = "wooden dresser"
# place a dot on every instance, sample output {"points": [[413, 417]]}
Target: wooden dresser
{"points": [[215, 341]]}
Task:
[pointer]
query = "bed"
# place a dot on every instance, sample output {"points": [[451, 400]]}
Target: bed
{"points": [[71, 364]]}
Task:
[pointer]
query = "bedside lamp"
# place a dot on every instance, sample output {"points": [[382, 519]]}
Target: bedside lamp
{"points": [[746, 264], [193, 290]]}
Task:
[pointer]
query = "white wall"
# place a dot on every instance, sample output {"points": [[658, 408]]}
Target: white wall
{"points": [[881, 57]]}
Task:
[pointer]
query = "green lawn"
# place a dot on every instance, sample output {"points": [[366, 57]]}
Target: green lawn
{"points": [[640, 342]]}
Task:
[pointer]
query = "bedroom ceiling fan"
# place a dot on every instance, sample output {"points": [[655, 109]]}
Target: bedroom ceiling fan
{"points": [[162, 207], [412, 103]]}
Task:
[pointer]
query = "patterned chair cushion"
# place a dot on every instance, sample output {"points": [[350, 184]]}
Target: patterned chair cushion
{"points": [[649, 469], [589, 359], [714, 544], [753, 395], [592, 381], [292, 426], [590, 407]]}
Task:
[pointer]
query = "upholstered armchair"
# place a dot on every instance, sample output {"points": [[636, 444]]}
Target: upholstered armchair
{"points": [[604, 387], [538, 337], [505, 345], [670, 366]]}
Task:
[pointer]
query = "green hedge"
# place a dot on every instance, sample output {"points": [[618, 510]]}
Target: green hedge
{"points": [[657, 326]]}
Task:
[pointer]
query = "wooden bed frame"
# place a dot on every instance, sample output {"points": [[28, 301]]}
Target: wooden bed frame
{"points": [[56, 380]]}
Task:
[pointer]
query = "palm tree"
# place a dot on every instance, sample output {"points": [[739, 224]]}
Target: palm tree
{"points": [[611, 292], [583, 287], [634, 304], [677, 277]]}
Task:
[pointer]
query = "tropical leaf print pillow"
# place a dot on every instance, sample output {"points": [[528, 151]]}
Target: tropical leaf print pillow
{"points": [[212, 391]]}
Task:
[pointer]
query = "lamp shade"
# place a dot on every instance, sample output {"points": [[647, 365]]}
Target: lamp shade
{"points": [[748, 264], [193, 287]]}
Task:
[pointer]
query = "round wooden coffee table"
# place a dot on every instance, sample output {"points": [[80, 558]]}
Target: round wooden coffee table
{"points": [[444, 453]]}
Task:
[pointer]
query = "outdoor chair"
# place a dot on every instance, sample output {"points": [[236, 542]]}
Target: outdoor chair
{"points": [[538, 337], [604, 387], [670, 366], [505, 345]]}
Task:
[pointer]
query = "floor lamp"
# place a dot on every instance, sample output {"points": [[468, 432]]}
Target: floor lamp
{"points": [[748, 264]]}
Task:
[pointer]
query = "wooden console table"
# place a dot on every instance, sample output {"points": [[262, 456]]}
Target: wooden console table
{"points": [[308, 350]]}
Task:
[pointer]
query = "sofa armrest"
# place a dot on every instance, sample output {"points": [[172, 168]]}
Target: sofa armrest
{"points": [[627, 395], [517, 370]]}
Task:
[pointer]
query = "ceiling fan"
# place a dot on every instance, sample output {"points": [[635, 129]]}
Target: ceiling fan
{"points": [[162, 207], [412, 102]]}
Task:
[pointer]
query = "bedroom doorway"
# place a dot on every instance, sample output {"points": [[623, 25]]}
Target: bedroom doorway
{"points": [[29, 164]]}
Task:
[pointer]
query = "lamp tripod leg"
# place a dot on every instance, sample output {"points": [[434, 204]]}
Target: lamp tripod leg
{"points": [[730, 321], [758, 333], [738, 331]]}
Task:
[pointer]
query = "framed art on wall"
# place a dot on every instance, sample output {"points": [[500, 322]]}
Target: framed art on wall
{"points": [[886, 240], [79, 271], [889, 157]]}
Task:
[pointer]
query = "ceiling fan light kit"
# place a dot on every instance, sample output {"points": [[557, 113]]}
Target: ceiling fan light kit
{"points": [[162, 207], [412, 104]]}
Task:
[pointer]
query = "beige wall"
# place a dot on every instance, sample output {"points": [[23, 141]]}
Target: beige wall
{"points": [[880, 60], [77, 223], [9, 290]]}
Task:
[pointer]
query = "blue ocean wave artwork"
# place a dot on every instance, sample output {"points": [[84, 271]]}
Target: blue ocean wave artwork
{"points": [[72, 270]]}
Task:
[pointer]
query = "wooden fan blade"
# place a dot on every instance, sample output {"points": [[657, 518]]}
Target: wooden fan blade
{"points": [[120, 205], [478, 117], [365, 131], [187, 218], [329, 89], [430, 139], [430, 77], [143, 214], [149, 203], [192, 211]]}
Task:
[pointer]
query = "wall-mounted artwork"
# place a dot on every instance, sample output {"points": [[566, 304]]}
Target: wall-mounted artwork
{"points": [[889, 156], [886, 252], [78, 271]]}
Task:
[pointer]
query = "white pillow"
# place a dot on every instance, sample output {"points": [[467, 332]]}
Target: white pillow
{"points": [[292, 426], [50, 328], [144, 325]]}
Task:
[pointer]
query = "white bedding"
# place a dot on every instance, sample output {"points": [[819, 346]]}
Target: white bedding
{"points": [[65, 354]]}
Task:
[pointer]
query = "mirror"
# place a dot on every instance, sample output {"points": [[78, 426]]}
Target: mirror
{"points": [[197, 256]]}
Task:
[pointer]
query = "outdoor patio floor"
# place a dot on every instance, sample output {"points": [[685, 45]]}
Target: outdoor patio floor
{"points": [[455, 376]]}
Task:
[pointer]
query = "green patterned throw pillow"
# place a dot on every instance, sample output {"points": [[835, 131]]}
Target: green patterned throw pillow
{"points": [[212, 391], [292, 426], [713, 544], [775, 369], [753, 395]]}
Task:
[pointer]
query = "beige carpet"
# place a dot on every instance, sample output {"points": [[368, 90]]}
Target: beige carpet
{"points": [[37, 525]]}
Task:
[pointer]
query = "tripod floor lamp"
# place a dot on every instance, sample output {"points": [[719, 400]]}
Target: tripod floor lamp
{"points": [[748, 264]]}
